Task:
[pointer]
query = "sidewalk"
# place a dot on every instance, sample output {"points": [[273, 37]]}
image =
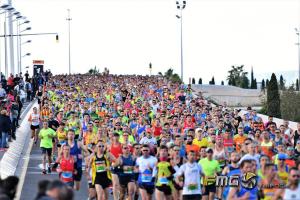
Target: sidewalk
{"points": [[23, 113], [9, 159]]}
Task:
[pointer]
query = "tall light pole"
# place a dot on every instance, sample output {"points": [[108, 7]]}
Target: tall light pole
{"points": [[20, 47], [298, 34], [20, 42], [69, 27], [180, 6]]}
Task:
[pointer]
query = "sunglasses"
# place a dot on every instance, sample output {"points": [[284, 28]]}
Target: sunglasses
{"points": [[101, 146], [247, 143], [125, 148], [125, 135], [296, 176], [137, 148], [281, 159]]}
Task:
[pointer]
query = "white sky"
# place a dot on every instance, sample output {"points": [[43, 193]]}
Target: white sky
{"points": [[125, 35]]}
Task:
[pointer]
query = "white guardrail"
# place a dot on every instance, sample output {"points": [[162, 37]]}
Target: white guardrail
{"points": [[278, 121], [11, 157]]}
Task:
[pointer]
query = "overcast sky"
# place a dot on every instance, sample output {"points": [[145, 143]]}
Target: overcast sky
{"points": [[126, 35]]}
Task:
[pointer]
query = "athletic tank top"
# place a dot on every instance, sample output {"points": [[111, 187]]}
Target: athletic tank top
{"points": [[283, 175], [67, 167], [39, 94], [127, 166], [232, 171], [220, 157], [100, 165], [163, 172], [265, 148], [292, 194], [35, 119], [116, 150], [75, 151], [269, 191]]}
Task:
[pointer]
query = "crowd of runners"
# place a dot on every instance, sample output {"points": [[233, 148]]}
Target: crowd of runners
{"points": [[149, 138]]}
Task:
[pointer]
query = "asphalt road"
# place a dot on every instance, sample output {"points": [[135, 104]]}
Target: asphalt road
{"points": [[34, 175]]}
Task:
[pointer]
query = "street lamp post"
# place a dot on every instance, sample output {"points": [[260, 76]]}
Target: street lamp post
{"points": [[298, 35], [19, 39], [180, 7], [6, 8], [20, 47], [69, 27]]}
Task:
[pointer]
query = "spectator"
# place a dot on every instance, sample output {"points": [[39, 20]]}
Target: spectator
{"points": [[5, 129], [8, 187], [42, 189]]}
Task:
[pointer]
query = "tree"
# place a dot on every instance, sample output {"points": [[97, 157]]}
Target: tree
{"points": [[281, 83], [212, 82], [267, 83], [289, 105], [297, 85], [237, 77], [273, 98], [263, 86], [222, 82], [94, 71], [200, 81], [252, 84], [172, 77], [193, 81], [255, 84], [159, 73]]}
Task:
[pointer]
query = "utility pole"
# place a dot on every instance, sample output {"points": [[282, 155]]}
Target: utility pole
{"points": [[181, 6], [298, 34], [69, 29]]}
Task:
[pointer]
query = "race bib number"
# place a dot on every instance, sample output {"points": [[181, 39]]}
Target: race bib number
{"points": [[146, 178], [163, 180], [100, 168], [127, 170], [193, 186]]}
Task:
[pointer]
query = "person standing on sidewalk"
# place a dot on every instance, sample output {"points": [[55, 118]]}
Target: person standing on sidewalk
{"points": [[46, 134], [5, 129]]}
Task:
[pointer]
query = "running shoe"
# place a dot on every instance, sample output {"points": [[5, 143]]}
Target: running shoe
{"points": [[44, 171]]}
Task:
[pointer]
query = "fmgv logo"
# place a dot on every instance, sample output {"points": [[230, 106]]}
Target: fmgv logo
{"points": [[247, 180]]}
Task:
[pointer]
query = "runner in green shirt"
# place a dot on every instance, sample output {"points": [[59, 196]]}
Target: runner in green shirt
{"points": [[210, 168], [46, 134]]}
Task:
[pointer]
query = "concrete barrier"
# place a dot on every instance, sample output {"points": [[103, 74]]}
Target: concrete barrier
{"points": [[233, 96], [10, 160]]}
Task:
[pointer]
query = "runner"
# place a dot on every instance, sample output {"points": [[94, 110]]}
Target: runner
{"points": [[164, 175], [145, 165], [292, 192], [126, 176], [101, 175], [192, 173], [46, 134], [176, 162], [241, 192], [35, 121], [67, 167], [211, 168], [76, 148], [116, 150]]}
